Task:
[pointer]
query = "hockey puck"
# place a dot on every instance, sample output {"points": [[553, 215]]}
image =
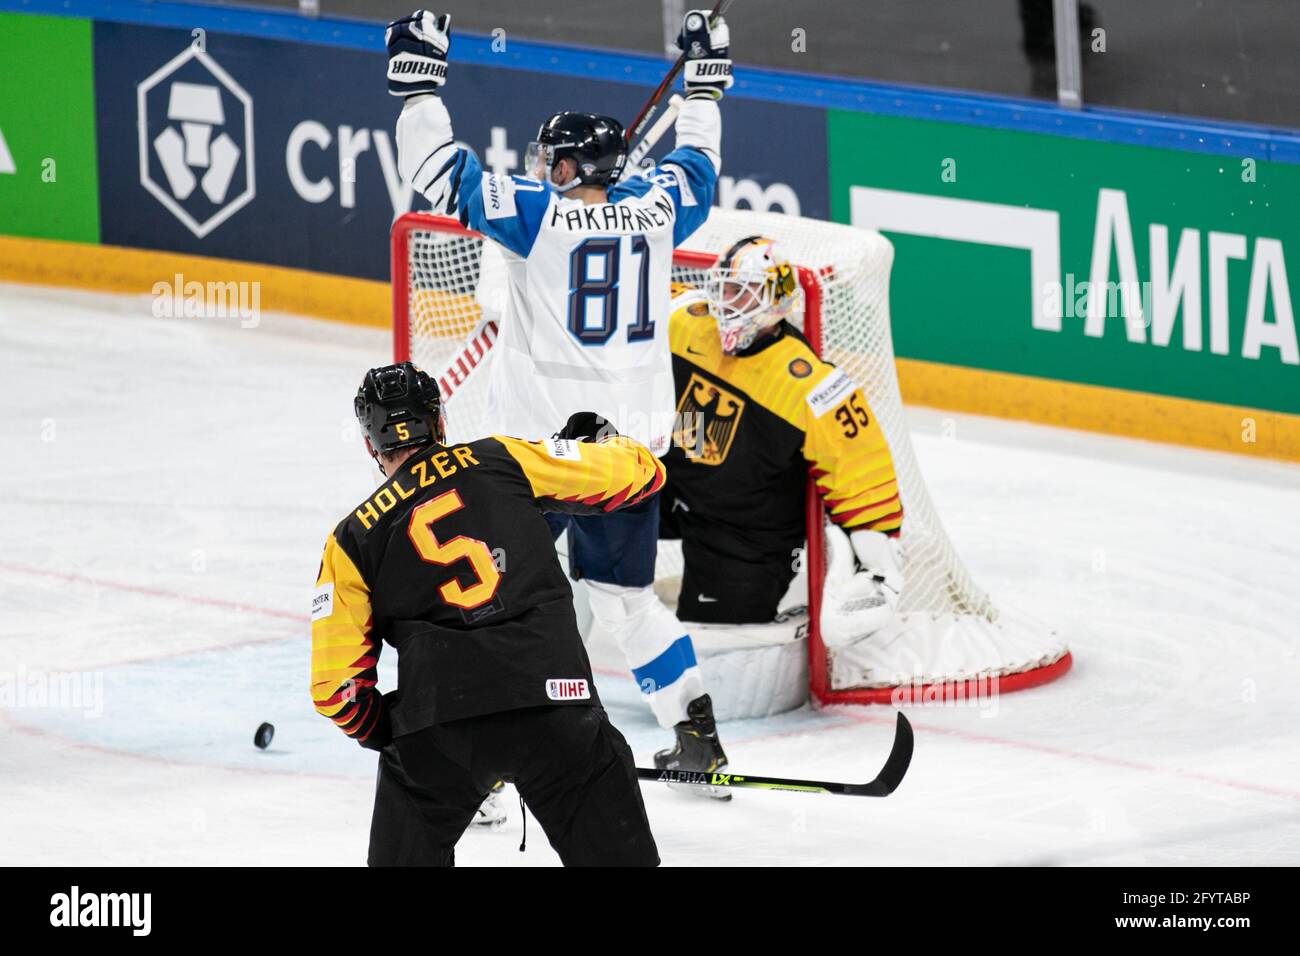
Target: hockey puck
{"points": [[263, 736]]}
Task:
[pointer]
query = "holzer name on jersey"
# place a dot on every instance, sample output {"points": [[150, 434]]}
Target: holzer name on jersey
{"points": [[424, 472], [615, 217]]}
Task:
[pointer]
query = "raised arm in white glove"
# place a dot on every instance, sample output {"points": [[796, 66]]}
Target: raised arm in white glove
{"points": [[417, 53], [707, 71]]}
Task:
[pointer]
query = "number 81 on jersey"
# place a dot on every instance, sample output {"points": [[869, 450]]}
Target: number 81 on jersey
{"points": [[595, 269]]}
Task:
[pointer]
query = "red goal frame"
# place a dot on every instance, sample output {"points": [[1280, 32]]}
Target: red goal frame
{"points": [[815, 554]]}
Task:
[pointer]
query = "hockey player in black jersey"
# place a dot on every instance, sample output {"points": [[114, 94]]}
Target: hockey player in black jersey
{"points": [[451, 562]]}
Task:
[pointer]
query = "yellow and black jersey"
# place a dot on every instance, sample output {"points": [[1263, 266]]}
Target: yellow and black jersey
{"points": [[451, 562], [751, 426]]}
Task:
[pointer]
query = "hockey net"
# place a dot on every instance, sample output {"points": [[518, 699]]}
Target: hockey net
{"points": [[949, 640]]}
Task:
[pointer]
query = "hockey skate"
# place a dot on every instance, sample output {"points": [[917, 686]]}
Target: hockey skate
{"points": [[491, 814], [697, 748]]}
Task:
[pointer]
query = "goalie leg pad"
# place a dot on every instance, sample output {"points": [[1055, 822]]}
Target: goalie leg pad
{"points": [[754, 670]]}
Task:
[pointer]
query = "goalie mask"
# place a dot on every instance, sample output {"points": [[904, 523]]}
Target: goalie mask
{"points": [[751, 288], [398, 406], [595, 144]]}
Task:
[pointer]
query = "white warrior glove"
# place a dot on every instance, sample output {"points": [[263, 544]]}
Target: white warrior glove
{"points": [[417, 53], [860, 596], [707, 71]]}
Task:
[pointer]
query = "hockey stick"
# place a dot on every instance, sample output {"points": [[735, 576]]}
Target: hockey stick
{"points": [[886, 782], [655, 133], [470, 356], [642, 121]]}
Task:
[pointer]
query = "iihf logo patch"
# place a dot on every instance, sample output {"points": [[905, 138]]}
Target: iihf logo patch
{"points": [[563, 688]]}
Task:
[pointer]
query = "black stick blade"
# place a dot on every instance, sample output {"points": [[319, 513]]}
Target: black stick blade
{"points": [[892, 773]]}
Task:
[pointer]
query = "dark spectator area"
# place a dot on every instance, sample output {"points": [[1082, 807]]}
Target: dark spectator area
{"points": [[1235, 60]]}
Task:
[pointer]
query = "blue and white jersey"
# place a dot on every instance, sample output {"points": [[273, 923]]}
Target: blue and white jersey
{"points": [[586, 319]]}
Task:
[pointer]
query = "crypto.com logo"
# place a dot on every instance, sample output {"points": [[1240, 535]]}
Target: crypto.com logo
{"points": [[207, 176]]}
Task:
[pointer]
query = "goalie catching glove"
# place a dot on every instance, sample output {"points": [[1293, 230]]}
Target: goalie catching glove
{"points": [[707, 71], [417, 53], [863, 582]]}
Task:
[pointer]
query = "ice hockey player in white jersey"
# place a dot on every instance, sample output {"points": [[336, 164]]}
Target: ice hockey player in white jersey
{"points": [[589, 260]]}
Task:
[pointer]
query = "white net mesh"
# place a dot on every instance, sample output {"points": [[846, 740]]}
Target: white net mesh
{"points": [[445, 307], [940, 604]]}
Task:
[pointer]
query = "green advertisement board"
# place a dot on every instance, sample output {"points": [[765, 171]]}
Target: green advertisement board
{"points": [[48, 177], [1001, 238]]}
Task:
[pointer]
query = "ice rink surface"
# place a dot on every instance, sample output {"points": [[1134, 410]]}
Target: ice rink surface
{"points": [[168, 484]]}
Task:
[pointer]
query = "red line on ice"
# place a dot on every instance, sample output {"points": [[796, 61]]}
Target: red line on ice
{"points": [[1048, 749], [33, 731], [842, 713], [153, 592]]}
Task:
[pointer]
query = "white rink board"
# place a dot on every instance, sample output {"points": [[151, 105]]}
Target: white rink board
{"points": [[167, 486]]}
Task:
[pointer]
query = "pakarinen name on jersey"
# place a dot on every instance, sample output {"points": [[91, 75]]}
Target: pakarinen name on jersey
{"points": [[608, 217]]}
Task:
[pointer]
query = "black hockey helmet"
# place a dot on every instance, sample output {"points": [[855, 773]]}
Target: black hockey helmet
{"points": [[595, 143], [398, 406]]}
